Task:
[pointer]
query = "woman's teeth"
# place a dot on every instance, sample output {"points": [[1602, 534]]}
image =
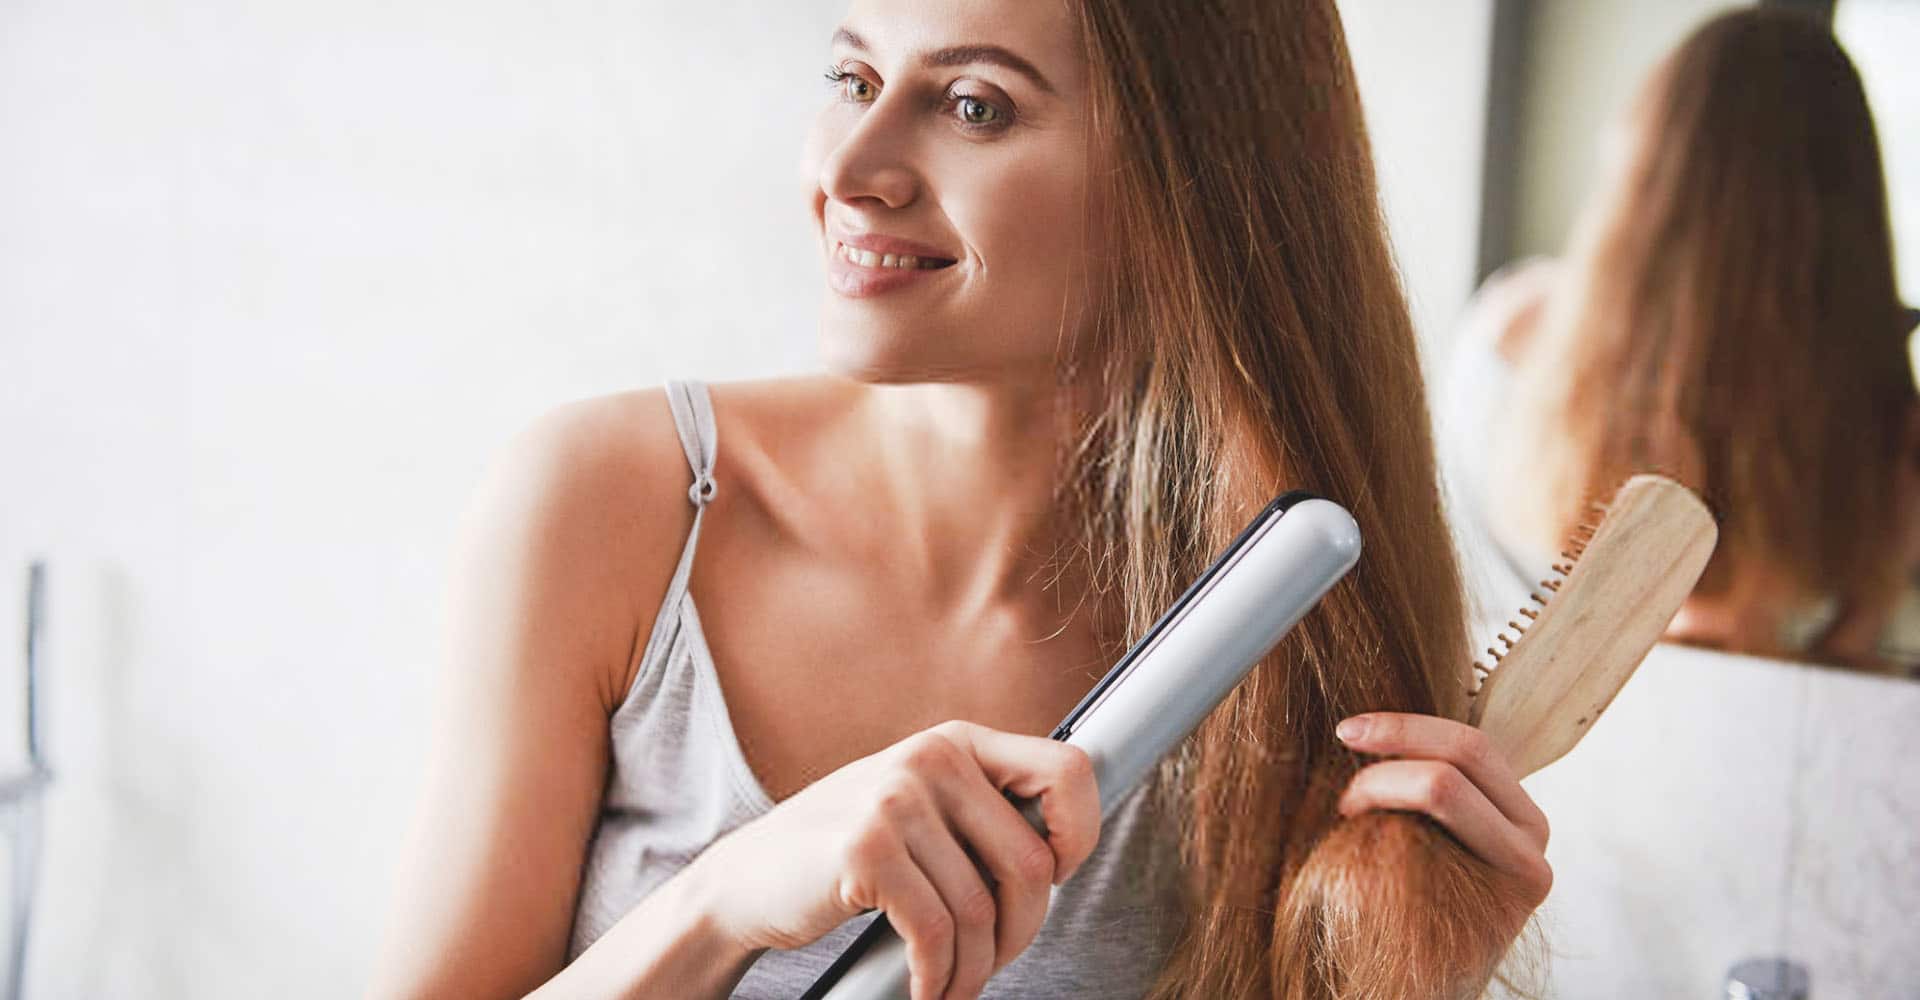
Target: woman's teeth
{"points": [[905, 261]]}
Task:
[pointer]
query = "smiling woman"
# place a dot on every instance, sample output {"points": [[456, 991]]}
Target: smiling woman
{"points": [[1103, 277], [968, 153]]}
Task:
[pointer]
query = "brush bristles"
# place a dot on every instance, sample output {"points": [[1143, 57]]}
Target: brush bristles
{"points": [[1576, 546]]}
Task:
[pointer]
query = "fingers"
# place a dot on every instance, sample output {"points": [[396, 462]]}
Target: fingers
{"points": [[1022, 864], [1409, 735], [1059, 775], [918, 913], [968, 900], [944, 808], [1439, 789]]}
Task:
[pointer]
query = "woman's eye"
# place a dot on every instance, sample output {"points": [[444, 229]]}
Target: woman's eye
{"points": [[850, 86], [975, 111]]}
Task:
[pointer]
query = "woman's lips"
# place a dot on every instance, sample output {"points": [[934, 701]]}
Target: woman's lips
{"points": [[859, 272]]}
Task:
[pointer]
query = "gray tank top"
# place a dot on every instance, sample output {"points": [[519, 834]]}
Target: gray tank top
{"points": [[678, 781]]}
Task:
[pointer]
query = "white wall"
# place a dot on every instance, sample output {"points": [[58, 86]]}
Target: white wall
{"points": [[1423, 78], [275, 280], [1879, 35]]}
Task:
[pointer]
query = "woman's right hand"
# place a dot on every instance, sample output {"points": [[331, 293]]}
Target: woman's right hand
{"points": [[892, 831]]}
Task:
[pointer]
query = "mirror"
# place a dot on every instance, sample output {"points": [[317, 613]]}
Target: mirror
{"points": [[1685, 268], [1746, 795]]}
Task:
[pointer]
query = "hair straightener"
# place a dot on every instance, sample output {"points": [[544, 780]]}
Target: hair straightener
{"points": [[1278, 568]]}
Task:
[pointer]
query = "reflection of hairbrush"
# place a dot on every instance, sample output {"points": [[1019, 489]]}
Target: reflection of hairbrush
{"points": [[1616, 587]]}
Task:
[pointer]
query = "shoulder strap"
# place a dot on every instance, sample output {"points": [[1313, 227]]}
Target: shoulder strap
{"points": [[693, 418]]}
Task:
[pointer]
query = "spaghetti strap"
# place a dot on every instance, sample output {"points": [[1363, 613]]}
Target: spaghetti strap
{"points": [[693, 418], [677, 781]]}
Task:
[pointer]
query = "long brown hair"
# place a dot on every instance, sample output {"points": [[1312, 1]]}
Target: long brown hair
{"points": [[1729, 316], [1254, 337]]}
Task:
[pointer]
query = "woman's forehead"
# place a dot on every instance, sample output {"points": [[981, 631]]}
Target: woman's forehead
{"points": [[1043, 33]]}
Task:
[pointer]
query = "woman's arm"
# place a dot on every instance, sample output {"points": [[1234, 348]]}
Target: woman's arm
{"points": [[670, 945], [564, 556], [1854, 638], [1504, 313]]}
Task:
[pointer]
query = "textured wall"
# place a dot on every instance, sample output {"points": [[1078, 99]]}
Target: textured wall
{"points": [[1728, 808]]}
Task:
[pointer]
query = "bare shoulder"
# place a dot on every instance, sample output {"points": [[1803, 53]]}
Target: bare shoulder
{"points": [[565, 550], [1505, 312], [608, 467], [591, 498], [604, 447], [612, 467], [581, 515], [614, 464]]}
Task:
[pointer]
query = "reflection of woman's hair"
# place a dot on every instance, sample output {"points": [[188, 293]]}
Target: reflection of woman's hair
{"points": [[1730, 316], [1253, 337]]}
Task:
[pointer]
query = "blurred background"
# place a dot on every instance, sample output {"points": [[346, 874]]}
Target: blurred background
{"points": [[277, 279]]}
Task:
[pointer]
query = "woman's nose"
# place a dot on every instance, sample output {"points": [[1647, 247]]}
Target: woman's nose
{"points": [[871, 161]]}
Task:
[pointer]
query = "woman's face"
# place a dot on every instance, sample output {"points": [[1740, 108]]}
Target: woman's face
{"points": [[953, 134]]}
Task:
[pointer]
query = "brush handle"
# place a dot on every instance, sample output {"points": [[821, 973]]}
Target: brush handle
{"points": [[1625, 587], [1166, 685]]}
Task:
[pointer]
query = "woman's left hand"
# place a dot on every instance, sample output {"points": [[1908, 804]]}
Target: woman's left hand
{"points": [[1453, 773]]}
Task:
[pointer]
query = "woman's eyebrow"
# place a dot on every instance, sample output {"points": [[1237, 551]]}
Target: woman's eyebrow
{"points": [[962, 55]]}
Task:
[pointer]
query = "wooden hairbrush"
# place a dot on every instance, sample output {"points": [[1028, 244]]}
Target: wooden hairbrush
{"points": [[1617, 586]]}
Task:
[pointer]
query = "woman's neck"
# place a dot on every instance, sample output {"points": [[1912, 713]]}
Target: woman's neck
{"points": [[969, 474]]}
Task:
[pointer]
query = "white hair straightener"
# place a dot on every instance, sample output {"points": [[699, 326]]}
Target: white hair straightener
{"points": [[1165, 686]]}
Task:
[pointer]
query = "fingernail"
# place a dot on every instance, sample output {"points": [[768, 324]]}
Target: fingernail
{"points": [[1352, 729]]}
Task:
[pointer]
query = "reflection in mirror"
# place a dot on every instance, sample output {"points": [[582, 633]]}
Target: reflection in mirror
{"points": [[1689, 259], [1723, 311]]}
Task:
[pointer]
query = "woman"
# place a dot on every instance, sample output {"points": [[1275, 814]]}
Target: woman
{"points": [[1728, 317], [1102, 279]]}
